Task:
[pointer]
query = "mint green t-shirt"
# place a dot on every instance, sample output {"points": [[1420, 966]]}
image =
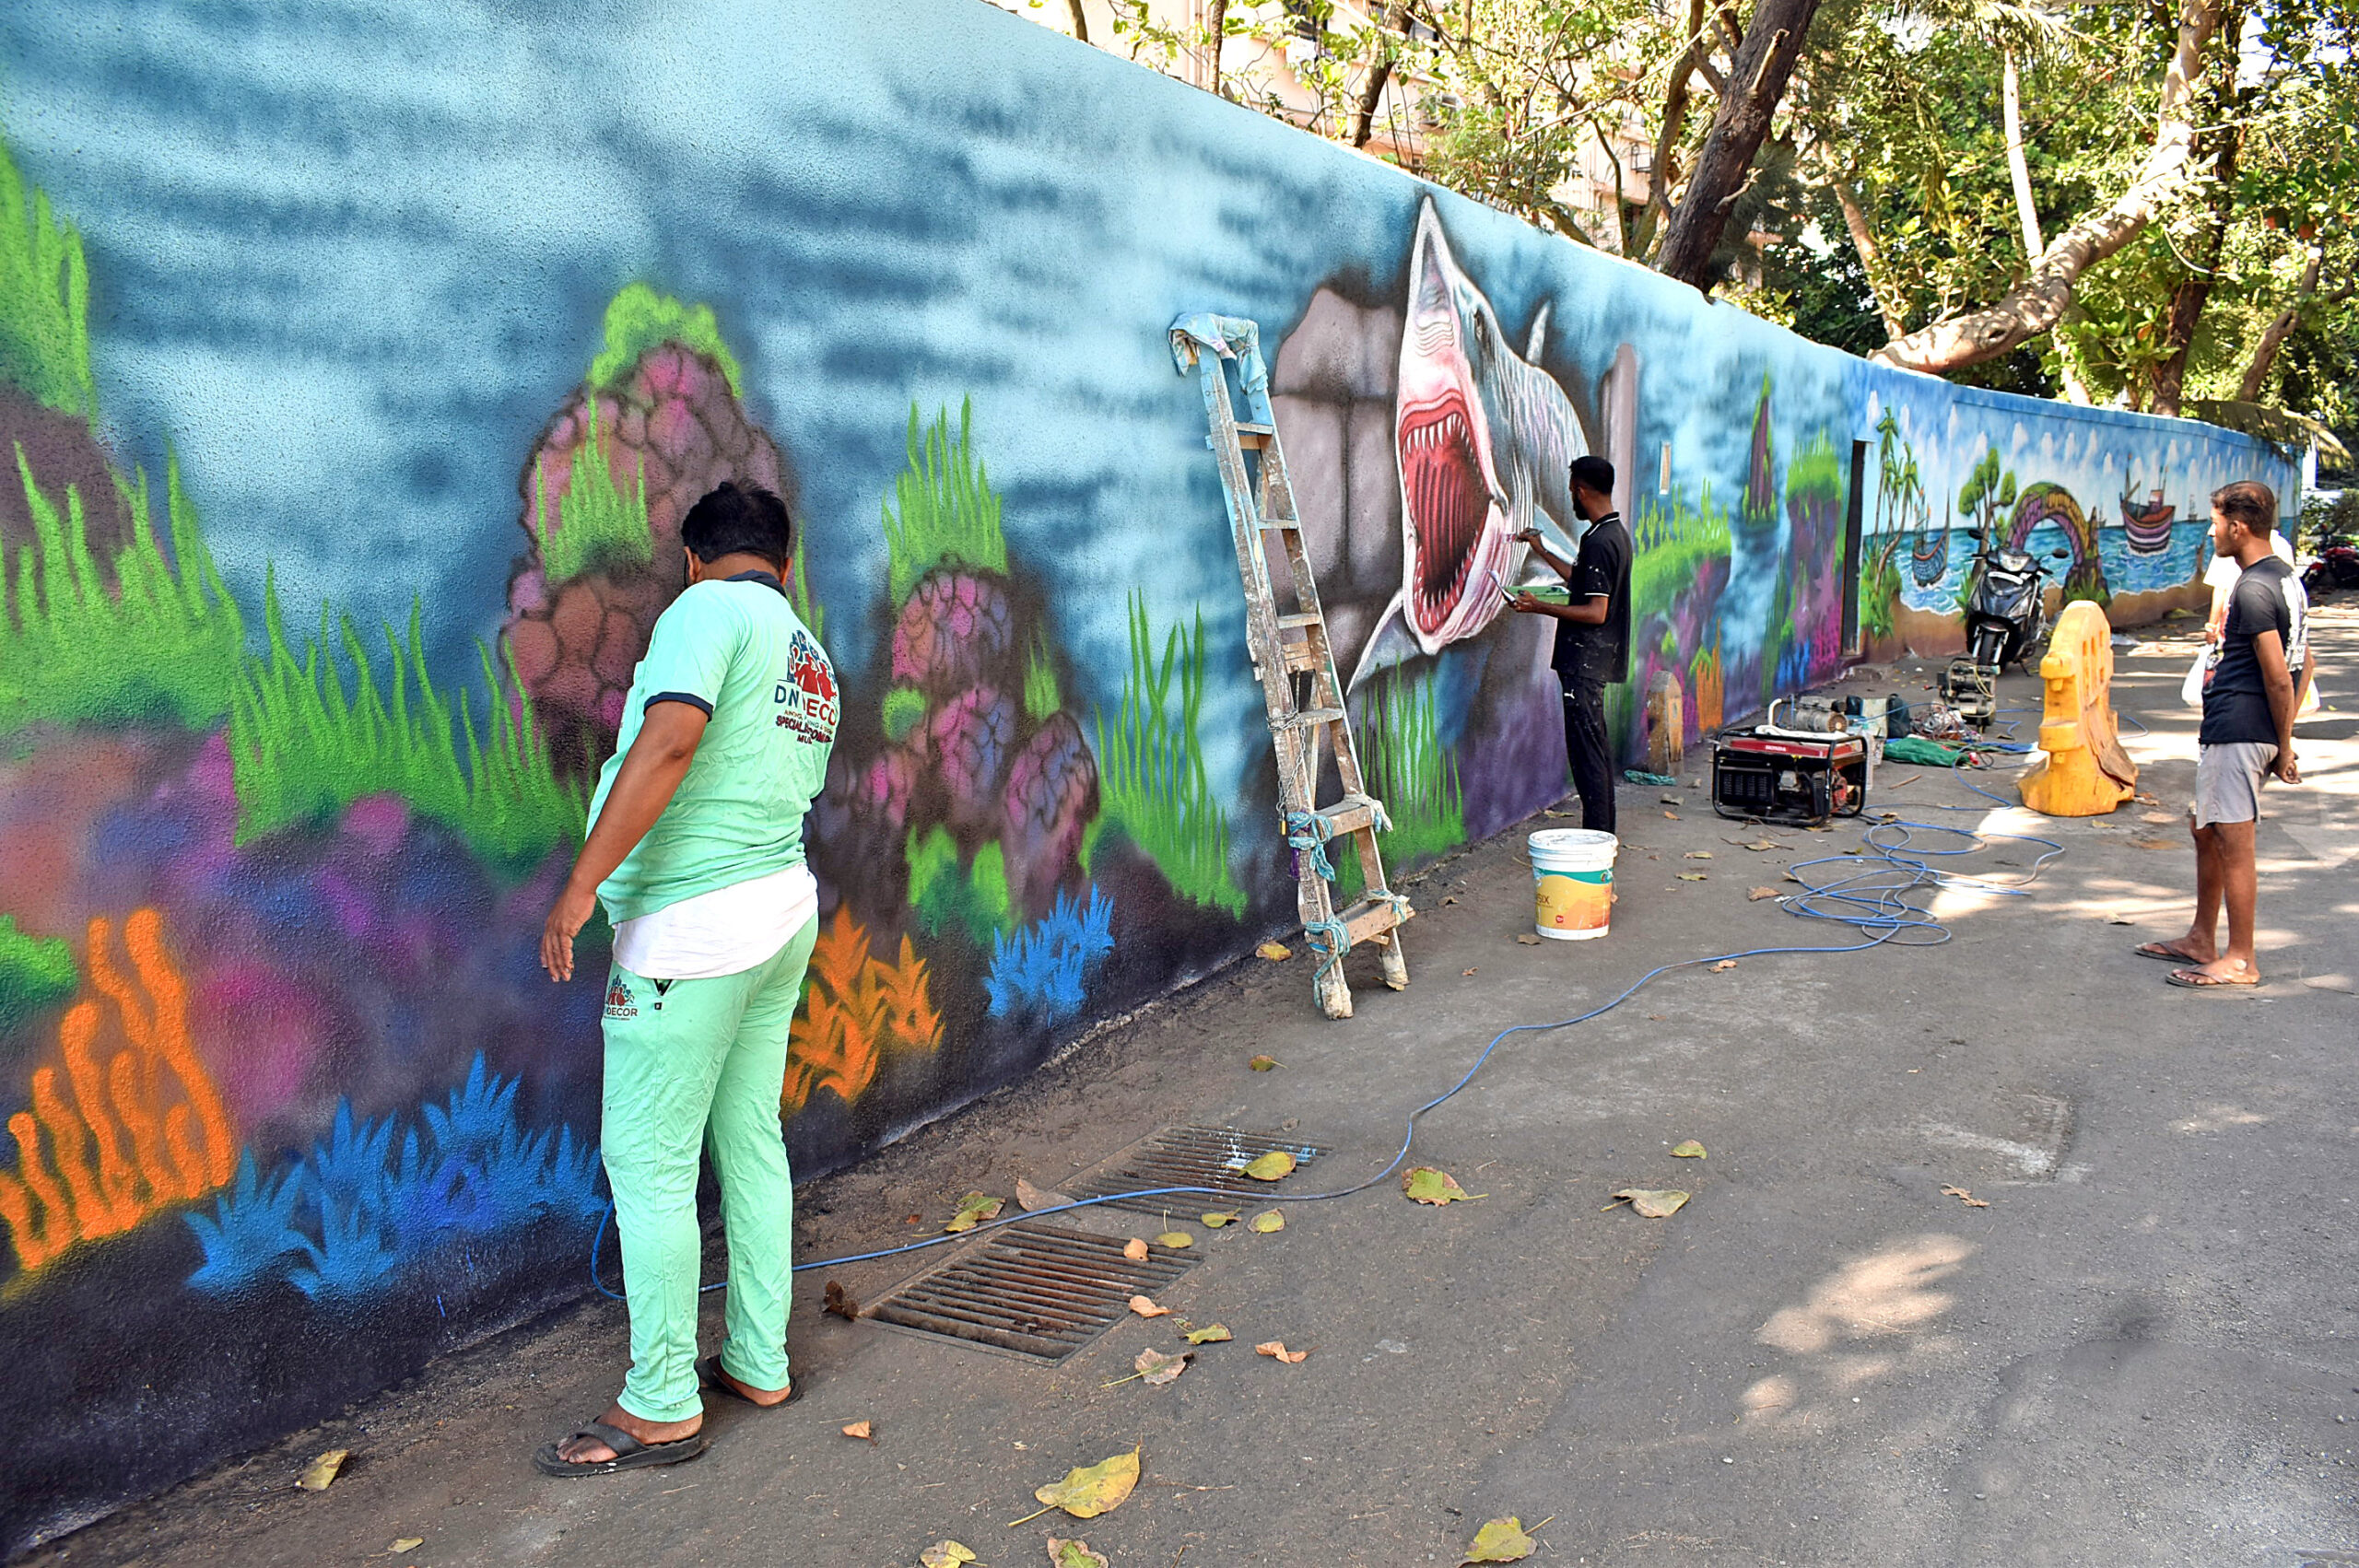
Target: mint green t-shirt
{"points": [[737, 649]]}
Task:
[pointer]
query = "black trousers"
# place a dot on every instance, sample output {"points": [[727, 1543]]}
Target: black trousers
{"points": [[1589, 752]]}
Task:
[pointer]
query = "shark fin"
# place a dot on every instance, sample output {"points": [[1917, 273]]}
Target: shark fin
{"points": [[1538, 336], [1390, 644]]}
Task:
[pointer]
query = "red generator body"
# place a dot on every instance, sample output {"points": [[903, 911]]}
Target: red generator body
{"points": [[1789, 776]]}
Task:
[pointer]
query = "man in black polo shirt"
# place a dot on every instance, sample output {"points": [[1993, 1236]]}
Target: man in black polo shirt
{"points": [[1592, 633], [2247, 736]]}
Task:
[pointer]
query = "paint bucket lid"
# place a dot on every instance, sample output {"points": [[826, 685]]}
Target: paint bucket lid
{"points": [[1572, 849]]}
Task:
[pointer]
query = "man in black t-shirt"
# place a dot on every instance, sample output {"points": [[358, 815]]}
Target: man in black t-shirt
{"points": [[2248, 735], [1592, 633]]}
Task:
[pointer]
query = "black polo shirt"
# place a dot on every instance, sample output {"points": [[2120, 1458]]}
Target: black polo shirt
{"points": [[1598, 655]]}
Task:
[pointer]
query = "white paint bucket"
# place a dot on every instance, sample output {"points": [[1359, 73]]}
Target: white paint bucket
{"points": [[1572, 875]]}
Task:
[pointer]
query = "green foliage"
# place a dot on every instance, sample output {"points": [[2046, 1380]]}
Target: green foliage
{"points": [[903, 710], [167, 644], [948, 509], [639, 317], [36, 974], [1880, 591], [597, 524], [1151, 770], [44, 300], [807, 607], [1817, 473], [1042, 696], [304, 746], [1405, 766], [1988, 493], [1672, 547], [975, 899]]}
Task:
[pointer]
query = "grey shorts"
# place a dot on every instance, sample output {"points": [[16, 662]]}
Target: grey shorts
{"points": [[2229, 780]]}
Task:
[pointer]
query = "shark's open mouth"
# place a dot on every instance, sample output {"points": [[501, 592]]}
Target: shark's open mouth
{"points": [[1442, 479]]}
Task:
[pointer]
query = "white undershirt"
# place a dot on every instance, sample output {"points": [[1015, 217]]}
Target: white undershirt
{"points": [[726, 931]]}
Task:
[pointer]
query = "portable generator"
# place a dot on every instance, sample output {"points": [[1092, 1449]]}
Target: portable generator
{"points": [[1783, 774]]}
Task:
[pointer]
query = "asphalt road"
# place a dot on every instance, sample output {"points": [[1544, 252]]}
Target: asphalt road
{"points": [[2134, 1345]]}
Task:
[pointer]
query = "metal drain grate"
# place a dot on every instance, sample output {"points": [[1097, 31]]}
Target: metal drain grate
{"points": [[1038, 1290], [1191, 1156]]}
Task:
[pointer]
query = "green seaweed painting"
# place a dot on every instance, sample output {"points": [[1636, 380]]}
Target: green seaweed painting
{"points": [[167, 643], [948, 509], [44, 300], [598, 523], [1151, 772]]}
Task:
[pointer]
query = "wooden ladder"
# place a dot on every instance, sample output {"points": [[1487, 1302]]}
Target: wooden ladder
{"points": [[1293, 660]]}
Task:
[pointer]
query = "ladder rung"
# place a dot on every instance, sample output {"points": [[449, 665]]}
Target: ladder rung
{"points": [[1282, 524], [1305, 718], [1255, 434], [1296, 622], [1301, 657], [1350, 814], [1371, 917]]}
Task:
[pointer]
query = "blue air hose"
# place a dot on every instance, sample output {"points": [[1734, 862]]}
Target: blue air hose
{"points": [[1875, 901]]}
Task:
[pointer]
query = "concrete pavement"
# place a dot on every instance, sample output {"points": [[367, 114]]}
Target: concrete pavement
{"points": [[2142, 1351]]}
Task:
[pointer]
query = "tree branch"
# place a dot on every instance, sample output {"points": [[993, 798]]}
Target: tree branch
{"points": [[2011, 107], [1863, 241], [2037, 303], [1080, 21], [2264, 353], [1757, 77]]}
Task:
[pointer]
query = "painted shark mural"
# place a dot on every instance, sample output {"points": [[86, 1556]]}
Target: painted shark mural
{"points": [[1483, 438]]}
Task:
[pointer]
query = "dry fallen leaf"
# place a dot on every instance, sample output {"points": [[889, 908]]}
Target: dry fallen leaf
{"points": [[322, 1471], [1031, 1198], [1175, 1240], [1691, 1150], [1276, 1350], [1654, 1202], [1073, 1554], [1424, 1184], [1275, 952], [1089, 1491], [1758, 893], [1501, 1540], [1671, 816], [862, 1430], [1146, 1309], [1451, 899], [1467, 971], [1215, 1218], [407, 1543], [2158, 818], [838, 1301], [973, 1208], [1724, 965], [1692, 876], [1263, 1063], [1135, 1250], [1528, 939], [1265, 1222], [1275, 1166], [945, 1554], [1963, 1196], [1697, 855], [1156, 1369], [1210, 1334]]}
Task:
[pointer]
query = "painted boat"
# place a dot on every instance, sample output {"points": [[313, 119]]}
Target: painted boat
{"points": [[2148, 526], [1929, 556]]}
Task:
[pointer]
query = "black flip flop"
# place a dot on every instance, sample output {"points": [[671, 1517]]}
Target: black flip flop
{"points": [[2154, 950], [630, 1454], [2208, 982], [708, 1374]]}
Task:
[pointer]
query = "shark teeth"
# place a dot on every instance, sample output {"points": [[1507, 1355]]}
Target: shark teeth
{"points": [[1448, 500]]}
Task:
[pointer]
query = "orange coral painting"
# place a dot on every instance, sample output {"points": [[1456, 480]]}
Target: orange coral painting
{"points": [[137, 1125], [855, 1009]]}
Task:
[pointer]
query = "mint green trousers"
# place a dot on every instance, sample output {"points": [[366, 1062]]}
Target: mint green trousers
{"points": [[696, 1066]]}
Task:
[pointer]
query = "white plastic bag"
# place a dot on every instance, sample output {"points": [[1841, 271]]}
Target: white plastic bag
{"points": [[2191, 690]]}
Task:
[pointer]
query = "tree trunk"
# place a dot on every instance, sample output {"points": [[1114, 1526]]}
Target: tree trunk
{"points": [[2011, 109], [1863, 241], [1217, 24], [2035, 304], [1757, 83], [1372, 95], [1663, 170], [2194, 291], [2264, 354], [1080, 21]]}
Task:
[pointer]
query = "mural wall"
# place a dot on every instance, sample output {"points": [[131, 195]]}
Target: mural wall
{"points": [[353, 382]]}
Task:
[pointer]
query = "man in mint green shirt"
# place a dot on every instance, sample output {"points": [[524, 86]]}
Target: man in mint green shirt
{"points": [[695, 846]]}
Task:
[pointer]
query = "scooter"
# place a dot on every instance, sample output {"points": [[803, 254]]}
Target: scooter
{"points": [[2006, 622]]}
